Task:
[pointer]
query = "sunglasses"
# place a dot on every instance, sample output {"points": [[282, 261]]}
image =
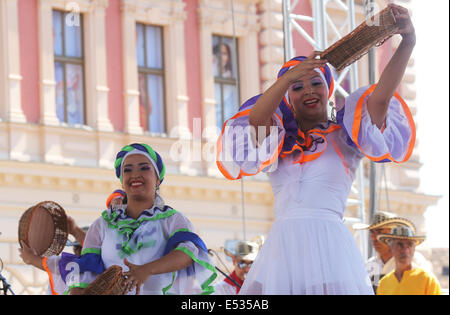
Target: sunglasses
{"points": [[243, 264]]}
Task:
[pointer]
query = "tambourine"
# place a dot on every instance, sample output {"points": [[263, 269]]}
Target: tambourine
{"points": [[110, 282], [43, 228], [370, 33]]}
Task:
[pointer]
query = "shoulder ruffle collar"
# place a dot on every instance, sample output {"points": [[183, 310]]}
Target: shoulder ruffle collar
{"points": [[304, 147], [155, 213], [126, 226]]}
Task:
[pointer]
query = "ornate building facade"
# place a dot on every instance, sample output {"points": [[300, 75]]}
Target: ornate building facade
{"points": [[80, 79]]}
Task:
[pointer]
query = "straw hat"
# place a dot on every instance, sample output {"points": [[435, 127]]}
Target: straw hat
{"points": [[383, 219], [243, 249], [400, 233]]}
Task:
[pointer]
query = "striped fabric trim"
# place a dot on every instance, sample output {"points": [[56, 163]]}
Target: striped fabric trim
{"points": [[97, 251], [179, 230], [206, 285], [82, 285]]}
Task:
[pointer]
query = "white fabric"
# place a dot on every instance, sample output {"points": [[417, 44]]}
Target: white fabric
{"points": [[59, 286], [395, 139], [309, 250], [315, 252], [224, 288], [246, 152], [154, 234]]}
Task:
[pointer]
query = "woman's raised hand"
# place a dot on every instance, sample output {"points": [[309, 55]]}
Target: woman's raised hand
{"points": [[305, 67], [406, 27]]}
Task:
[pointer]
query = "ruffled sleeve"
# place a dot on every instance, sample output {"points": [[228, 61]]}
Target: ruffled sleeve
{"points": [[237, 151], [51, 266], [79, 272], [198, 277], [394, 142]]}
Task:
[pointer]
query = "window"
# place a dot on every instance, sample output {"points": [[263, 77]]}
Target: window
{"points": [[69, 69], [151, 78], [225, 78]]}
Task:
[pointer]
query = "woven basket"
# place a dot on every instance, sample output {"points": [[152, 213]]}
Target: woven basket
{"points": [[353, 46], [43, 228], [110, 282]]}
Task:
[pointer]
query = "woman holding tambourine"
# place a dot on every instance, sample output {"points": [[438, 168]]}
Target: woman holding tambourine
{"points": [[153, 243]]}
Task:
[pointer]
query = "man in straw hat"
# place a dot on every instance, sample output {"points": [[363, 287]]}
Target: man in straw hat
{"points": [[50, 265], [406, 279], [243, 253], [383, 262]]}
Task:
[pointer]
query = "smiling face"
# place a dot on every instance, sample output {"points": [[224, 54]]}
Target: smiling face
{"points": [[309, 97], [139, 179]]}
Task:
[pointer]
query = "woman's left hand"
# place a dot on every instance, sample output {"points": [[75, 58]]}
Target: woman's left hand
{"points": [[404, 21], [136, 276]]}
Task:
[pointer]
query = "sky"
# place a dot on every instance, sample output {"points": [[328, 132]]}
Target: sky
{"points": [[431, 22]]}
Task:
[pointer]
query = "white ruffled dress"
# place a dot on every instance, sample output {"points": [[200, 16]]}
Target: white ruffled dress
{"points": [[309, 250], [157, 231]]}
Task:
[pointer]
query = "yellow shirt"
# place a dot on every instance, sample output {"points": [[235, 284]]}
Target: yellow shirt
{"points": [[414, 282]]}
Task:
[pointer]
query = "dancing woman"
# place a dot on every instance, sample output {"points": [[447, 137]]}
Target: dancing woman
{"points": [[311, 163], [153, 243]]}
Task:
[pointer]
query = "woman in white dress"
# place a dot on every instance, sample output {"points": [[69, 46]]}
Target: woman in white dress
{"points": [[311, 163], [153, 243]]}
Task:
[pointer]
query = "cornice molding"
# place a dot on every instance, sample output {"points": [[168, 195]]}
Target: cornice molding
{"points": [[155, 11], [218, 15], [26, 175]]}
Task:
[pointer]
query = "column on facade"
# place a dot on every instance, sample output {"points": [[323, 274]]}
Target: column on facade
{"points": [[130, 74], [271, 40], [46, 65], [175, 65], [96, 72], [10, 90], [249, 69], [206, 68]]}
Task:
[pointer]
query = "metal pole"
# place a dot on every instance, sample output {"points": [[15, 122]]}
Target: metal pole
{"points": [[287, 29], [369, 10], [354, 85], [238, 84]]}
